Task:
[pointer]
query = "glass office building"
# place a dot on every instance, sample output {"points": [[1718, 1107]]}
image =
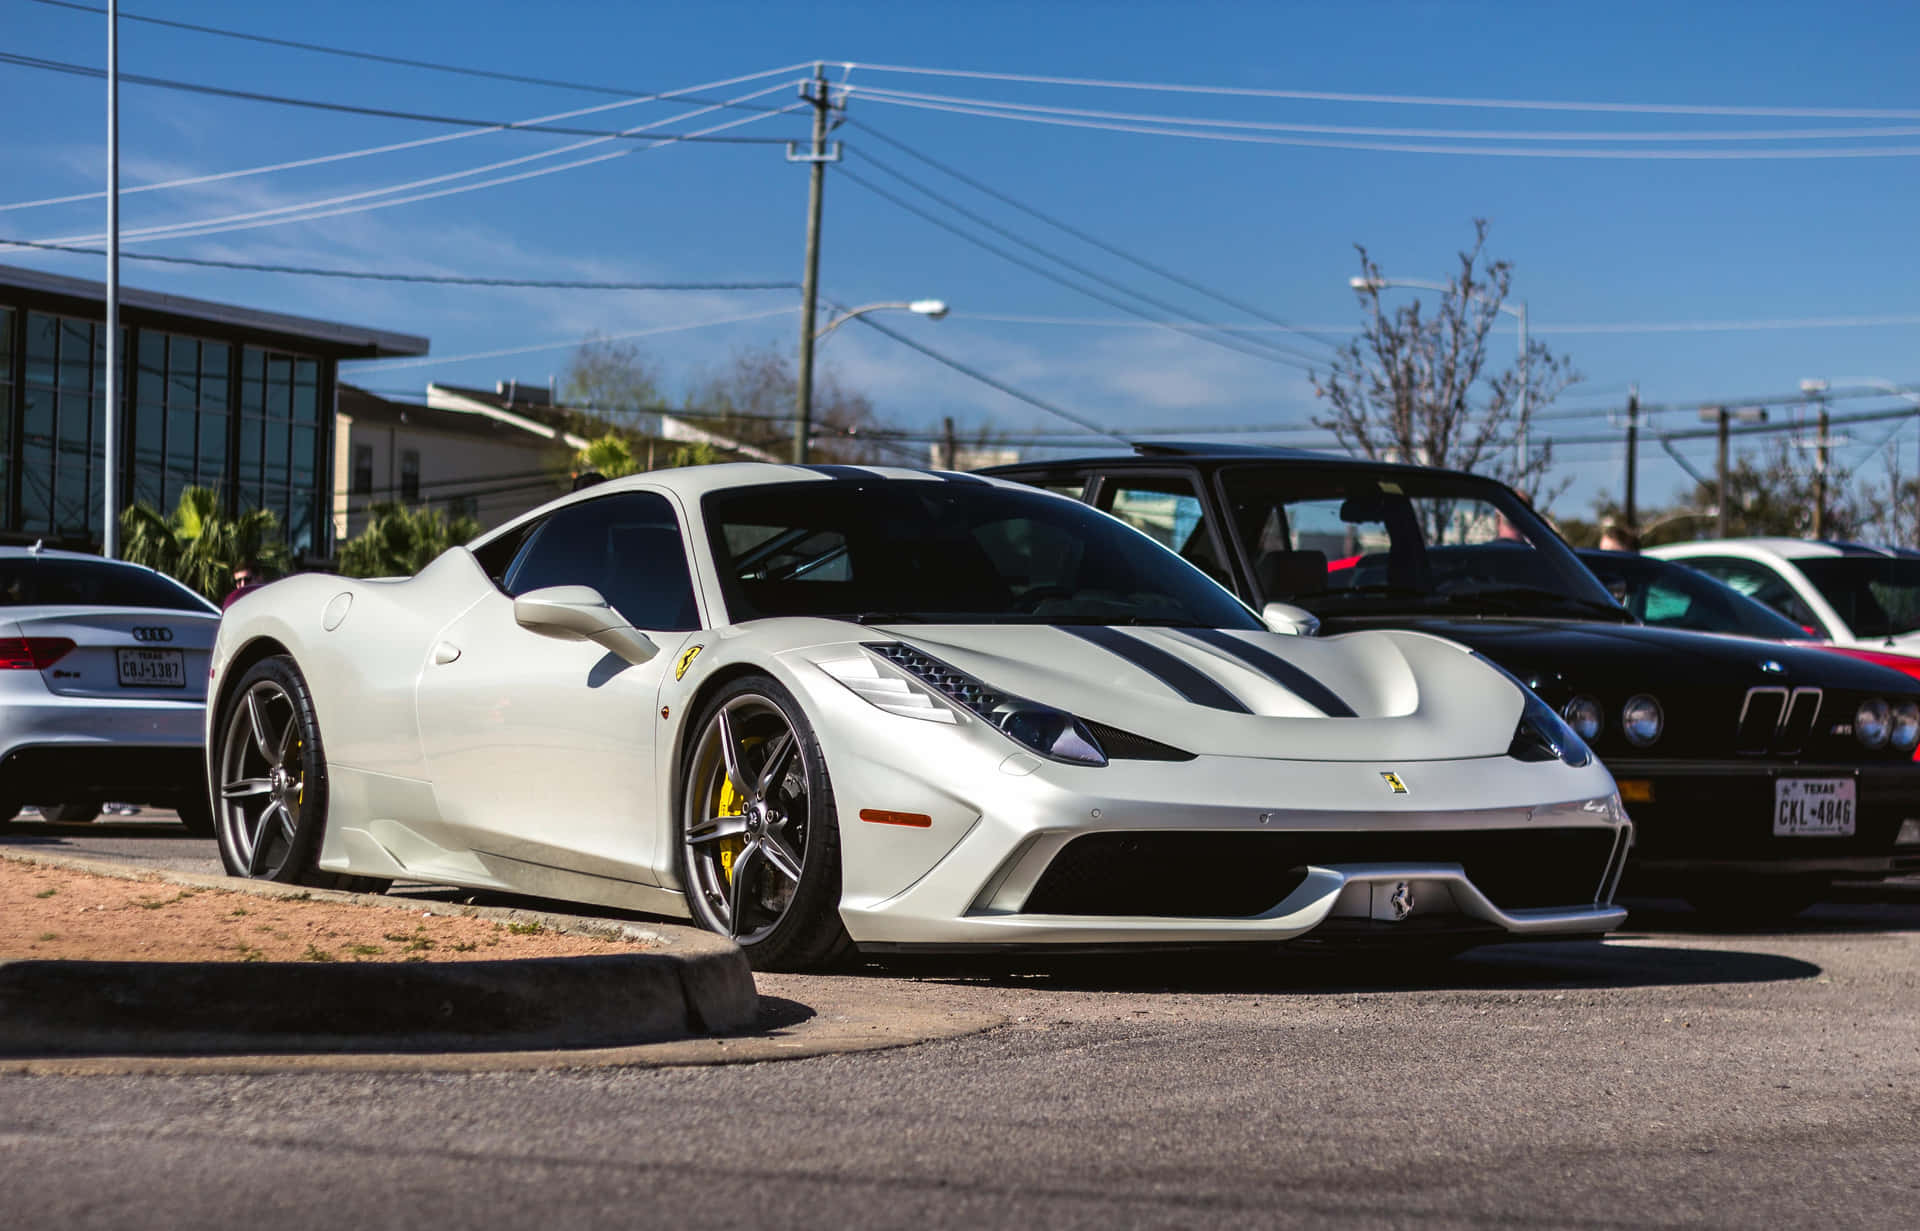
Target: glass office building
{"points": [[214, 396]]}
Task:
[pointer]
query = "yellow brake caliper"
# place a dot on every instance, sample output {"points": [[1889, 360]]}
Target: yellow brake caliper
{"points": [[732, 803]]}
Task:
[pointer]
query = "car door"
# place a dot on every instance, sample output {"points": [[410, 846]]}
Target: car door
{"points": [[542, 750]]}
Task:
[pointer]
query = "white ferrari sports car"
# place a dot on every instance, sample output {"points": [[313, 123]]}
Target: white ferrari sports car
{"points": [[825, 707]]}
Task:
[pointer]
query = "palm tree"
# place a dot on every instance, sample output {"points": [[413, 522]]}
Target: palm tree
{"points": [[198, 544], [400, 541], [609, 455]]}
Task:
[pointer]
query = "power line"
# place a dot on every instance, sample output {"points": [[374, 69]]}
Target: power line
{"points": [[420, 142], [387, 113], [388, 365], [1871, 132], [292, 213], [402, 61], [1419, 100], [1049, 274], [1083, 236], [989, 381], [557, 284], [987, 110]]}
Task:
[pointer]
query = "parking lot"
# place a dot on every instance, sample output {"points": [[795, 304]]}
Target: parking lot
{"points": [[1668, 1075]]}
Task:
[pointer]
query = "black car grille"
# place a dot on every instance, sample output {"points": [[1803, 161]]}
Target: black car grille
{"points": [[1774, 720], [1237, 875]]}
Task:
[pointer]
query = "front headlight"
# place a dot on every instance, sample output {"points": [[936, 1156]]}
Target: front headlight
{"points": [[1585, 716], [1871, 723], [1642, 721], [1542, 736], [1906, 725], [1053, 733]]}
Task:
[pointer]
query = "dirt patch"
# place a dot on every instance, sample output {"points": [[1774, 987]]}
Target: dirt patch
{"points": [[48, 912]]}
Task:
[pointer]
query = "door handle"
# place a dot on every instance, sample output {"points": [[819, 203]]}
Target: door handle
{"points": [[445, 653]]}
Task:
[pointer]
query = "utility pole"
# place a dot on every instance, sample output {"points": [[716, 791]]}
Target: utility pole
{"points": [[110, 441], [1526, 390], [950, 447], [1633, 456], [1720, 501], [1817, 390], [816, 93]]}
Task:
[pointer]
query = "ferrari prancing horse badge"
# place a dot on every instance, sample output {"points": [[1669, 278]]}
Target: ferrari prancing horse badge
{"points": [[686, 660]]}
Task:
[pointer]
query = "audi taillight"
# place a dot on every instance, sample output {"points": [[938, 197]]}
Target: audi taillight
{"points": [[32, 653]]}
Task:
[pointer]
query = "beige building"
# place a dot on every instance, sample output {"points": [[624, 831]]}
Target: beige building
{"points": [[461, 455]]}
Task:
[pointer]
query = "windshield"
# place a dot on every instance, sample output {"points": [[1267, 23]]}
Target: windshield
{"points": [[30, 582], [1347, 541], [1877, 596], [1671, 596], [947, 552]]}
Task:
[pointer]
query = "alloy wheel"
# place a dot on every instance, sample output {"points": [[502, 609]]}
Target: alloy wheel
{"points": [[263, 778], [746, 820]]}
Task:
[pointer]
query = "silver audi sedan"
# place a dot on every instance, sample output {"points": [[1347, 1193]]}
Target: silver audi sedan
{"points": [[103, 687]]}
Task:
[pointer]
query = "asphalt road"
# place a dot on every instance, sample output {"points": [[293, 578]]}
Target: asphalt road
{"points": [[1670, 1076]]}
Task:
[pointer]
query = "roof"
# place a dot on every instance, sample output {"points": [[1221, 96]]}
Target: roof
{"points": [[1780, 547], [47, 553], [538, 418], [363, 407], [178, 311], [1160, 452]]}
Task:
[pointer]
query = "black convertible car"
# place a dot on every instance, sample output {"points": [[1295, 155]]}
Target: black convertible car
{"points": [[1756, 772]]}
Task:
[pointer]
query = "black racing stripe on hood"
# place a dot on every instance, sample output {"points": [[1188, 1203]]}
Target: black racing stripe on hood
{"points": [[1184, 678], [843, 472], [1277, 669]]}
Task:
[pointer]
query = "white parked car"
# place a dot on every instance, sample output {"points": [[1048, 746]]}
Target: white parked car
{"points": [[824, 707], [103, 687], [1846, 593]]}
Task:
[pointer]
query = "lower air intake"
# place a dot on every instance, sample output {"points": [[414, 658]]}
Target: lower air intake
{"points": [[1237, 875]]}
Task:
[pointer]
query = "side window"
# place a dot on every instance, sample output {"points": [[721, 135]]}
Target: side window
{"points": [[1167, 510], [1762, 584], [497, 556], [627, 546]]}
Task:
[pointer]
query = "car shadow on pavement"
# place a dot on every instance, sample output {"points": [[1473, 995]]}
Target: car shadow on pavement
{"points": [[1621, 962], [43, 833], [1890, 907]]}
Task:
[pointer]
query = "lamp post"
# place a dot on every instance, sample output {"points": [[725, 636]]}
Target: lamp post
{"points": [[1519, 313], [932, 309]]}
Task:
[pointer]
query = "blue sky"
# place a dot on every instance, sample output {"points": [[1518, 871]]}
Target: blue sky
{"points": [[1626, 244]]}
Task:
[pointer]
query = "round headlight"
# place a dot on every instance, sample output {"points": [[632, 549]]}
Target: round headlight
{"points": [[1641, 720], [1585, 716], [1906, 725], [1871, 722]]}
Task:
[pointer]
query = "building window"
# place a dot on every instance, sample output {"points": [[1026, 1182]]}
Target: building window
{"points": [[63, 373], [182, 407], [278, 465], [410, 477], [6, 410], [362, 470]]}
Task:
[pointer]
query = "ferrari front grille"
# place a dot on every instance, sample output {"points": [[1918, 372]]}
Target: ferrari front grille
{"points": [[1213, 875]]}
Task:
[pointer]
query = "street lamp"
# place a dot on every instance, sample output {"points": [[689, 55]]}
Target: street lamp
{"points": [[932, 309], [1518, 313]]}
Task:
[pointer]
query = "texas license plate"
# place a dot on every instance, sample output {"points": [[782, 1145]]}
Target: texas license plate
{"points": [[152, 668], [1813, 807]]}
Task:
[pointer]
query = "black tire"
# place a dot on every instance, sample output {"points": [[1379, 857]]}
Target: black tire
{"points": [[268, 741], [196, 814], [9, 808], [786, 816], [1754, 901], [71, 814]]}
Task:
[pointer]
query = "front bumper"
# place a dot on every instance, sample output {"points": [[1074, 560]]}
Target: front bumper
{"points": [[1717, 816], [1175, 855]]}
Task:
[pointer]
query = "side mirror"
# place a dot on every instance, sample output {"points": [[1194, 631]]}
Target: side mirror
{"points": [[1289, 619], [579, 613]]}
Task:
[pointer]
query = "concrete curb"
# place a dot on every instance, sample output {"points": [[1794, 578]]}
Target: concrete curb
{"points": [[690, 983]]}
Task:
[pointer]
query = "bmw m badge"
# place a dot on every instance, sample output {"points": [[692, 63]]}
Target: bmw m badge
{"points": [[686, 660], [1393, 782]]}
